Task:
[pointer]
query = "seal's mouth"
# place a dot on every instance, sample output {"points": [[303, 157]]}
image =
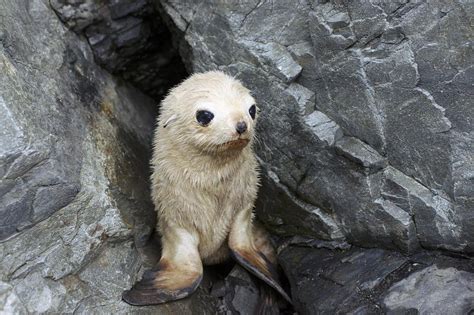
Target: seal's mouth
{"points": [[235, 144]]}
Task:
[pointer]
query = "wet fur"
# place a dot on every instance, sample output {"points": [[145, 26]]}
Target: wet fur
{"points": [[204, 185], [198, 190]]}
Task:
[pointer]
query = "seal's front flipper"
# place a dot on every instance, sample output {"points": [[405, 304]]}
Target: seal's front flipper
{"points": [[177, 275], [258, 265], [162, 285]]}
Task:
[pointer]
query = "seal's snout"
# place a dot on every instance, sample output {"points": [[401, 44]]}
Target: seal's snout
{"points": [[241, 127]]}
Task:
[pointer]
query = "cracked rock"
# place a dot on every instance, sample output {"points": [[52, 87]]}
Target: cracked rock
{"points": [[277, 59], [244, 292], [331, 281], [128, 38], [323, 127], [400, 226], [303, 53], [9, 301], [393, 76], [433, 290], [375, 281], [290, 216], [361, 153], [74, 152], [303, 96], [435, 220]]}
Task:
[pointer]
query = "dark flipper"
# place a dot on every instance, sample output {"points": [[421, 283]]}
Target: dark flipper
{"points": [[258, 265], [150, 290], [268, 302]]}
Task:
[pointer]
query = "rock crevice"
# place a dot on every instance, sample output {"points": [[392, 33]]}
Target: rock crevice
{"points": [[365, 138]]}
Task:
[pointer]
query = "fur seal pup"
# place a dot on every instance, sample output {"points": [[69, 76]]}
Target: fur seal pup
{"points": [[204, 185]]}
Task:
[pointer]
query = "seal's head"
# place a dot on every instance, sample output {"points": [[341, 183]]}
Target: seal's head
{"points": [[210, 111]]}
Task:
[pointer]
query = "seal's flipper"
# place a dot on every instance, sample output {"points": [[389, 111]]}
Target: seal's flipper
{"points": [[162, 286], [176, 276], [258, 265], [268, 301], [244, 242]]}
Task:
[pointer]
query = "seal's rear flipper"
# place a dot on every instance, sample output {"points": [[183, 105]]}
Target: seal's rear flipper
{"points": [[268, 301], [258, 265], [162, 285]]}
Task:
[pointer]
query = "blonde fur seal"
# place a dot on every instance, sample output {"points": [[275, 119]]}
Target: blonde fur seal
{"points": [[204, 185]]}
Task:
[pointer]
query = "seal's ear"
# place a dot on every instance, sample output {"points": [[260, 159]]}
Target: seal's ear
{"points": [[169, 120]]}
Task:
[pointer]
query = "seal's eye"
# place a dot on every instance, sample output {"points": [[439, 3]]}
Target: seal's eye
{"points": [[252, 111], [204, 117]]}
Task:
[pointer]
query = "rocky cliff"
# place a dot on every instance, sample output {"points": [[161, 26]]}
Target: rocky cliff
{"points": [[365, 140], [74, 150], [366, 130]]}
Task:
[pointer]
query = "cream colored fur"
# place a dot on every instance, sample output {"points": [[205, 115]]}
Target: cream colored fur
{"points": [[202, 181]]}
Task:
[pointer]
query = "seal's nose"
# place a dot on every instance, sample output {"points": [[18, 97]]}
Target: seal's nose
{"points": [[241, 127]]}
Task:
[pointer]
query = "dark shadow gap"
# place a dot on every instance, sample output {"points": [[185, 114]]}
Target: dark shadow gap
{"points": [[129, 39]]}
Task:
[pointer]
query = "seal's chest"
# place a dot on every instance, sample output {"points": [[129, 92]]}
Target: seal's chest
{"points": [[226, 202]]}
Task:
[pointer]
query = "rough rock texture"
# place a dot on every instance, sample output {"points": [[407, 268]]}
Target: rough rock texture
{"points": [[239, 292], [366, 129], [74, 150], [377, 281], [366, 137], [433, 290], [128, 39]]}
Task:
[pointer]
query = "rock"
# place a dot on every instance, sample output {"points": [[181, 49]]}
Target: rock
{"points": [[434, 215], [365, 139], [433, 291], [78, 14], [277, 59], [303, 53], [375, 281], [242, 292], [401, 226], [304, 97], [361, 153], [287, 215], [323, 127], [74, 191], [390, 84], [305, 241], [10, 303], [330, 281], [128, 39]]}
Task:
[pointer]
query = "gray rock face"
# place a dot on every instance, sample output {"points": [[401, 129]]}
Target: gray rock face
{"points": [[238, 291], [286, 215], [366, 138], [366, 112], [74, 151], [325, 281], [128, 39], [377, 281], [433, 291], [361, 153], [11, 304]]}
